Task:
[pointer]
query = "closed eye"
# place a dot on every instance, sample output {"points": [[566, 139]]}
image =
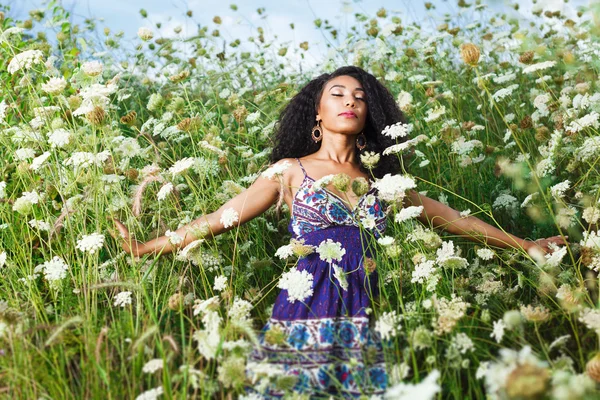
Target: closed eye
{"points": [[341, 95]]}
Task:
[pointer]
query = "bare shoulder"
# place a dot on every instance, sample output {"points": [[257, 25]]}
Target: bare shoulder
{"points": [[288, 168]]}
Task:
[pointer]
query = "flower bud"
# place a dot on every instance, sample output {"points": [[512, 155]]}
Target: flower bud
{"points": [[360, 186], [176, 301], [592, 368], [341, 182], [512, 319], [470, 54], [527, 381]]}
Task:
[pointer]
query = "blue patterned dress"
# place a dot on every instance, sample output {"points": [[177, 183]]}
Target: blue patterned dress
{"points": [[330, 343]]}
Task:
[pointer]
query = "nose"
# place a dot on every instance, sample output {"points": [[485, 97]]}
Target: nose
{"points": [[350, 102]]}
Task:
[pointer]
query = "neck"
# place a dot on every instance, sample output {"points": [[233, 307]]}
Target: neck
{"points": [[338, 147]]}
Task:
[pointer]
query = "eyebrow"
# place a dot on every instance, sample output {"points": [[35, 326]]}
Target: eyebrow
{"points": [[342, 86]]}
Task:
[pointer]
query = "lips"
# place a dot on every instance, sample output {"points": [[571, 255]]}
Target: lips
{"points": [[348, 114]]}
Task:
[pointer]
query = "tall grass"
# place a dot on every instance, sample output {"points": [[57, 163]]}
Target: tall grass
{"points": [[176, 97]]}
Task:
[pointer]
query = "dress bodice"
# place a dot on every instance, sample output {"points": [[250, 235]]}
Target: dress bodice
{"points": [[313, 210]]}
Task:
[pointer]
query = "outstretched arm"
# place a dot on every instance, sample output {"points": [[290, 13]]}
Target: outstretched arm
{"points": [[249, 204], [440, 215]]}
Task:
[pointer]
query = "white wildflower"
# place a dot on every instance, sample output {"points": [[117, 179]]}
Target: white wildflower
{"points": [[59, 138], [340, 275], [164, 191], [322, 182], [329, 250], [151, 394], [3, 108], [565, 217], [94, 95], [152, 366], [145, 33], [508, 77], [541, 103], [558, 190], [400, 147], [370, 159], [23, 205], [81, 159], [407, 213], [25, 60], [590, 214], [386, 240], [434, 114], [529, 198], [553, 259], [504, 92], [591, 318], [174, 238], [285, 251], [404, 100], [276, 170], [463, 343], [589, 149], [122, 299], [53, 270], [586, 121], [220, 283], [39, 224], [229, 217], [91, 243], [181, 166], [397, 130], [39, 161], [209, 338], [54, 86], [253, 117], [423, 271], [394, 187], [449, 311], [538, 67], [388, 324], [92, 68], [4, 36], [240, 310], [485, 254], [24, 153], [498, 331], [447, 257], [205, 306], [425, 390], [506, 201], [299, 284]]}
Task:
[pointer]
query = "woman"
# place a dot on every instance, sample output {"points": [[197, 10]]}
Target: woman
{"points": [[323, 131]]}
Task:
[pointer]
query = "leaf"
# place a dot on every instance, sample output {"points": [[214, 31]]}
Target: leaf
{"points": [[81, 41]]}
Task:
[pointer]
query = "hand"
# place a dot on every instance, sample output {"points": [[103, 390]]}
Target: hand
{"points": [[542, 246], [126, 241]]}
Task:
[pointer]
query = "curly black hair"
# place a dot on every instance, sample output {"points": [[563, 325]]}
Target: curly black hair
{"points": [[292, 136]]}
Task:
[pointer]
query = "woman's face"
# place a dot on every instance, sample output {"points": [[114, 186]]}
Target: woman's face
{"points": [[343, 106]]}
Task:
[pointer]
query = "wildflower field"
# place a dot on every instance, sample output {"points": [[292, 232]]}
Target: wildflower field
{"points": [[503, 118]]}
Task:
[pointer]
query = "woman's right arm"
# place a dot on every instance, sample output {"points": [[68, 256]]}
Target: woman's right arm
{"points": [[249, 204]]}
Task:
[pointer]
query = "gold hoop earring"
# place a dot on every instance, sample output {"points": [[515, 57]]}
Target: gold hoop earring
{"points": [[361, 141], [316, 133]]}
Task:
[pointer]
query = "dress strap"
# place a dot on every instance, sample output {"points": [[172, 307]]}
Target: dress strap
{"points": [[301, 166]]}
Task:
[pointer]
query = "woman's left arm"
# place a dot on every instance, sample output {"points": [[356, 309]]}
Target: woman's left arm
{"points": [[440, 215]]}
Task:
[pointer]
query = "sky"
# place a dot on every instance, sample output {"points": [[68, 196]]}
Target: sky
{"points": [[124, 15]]}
